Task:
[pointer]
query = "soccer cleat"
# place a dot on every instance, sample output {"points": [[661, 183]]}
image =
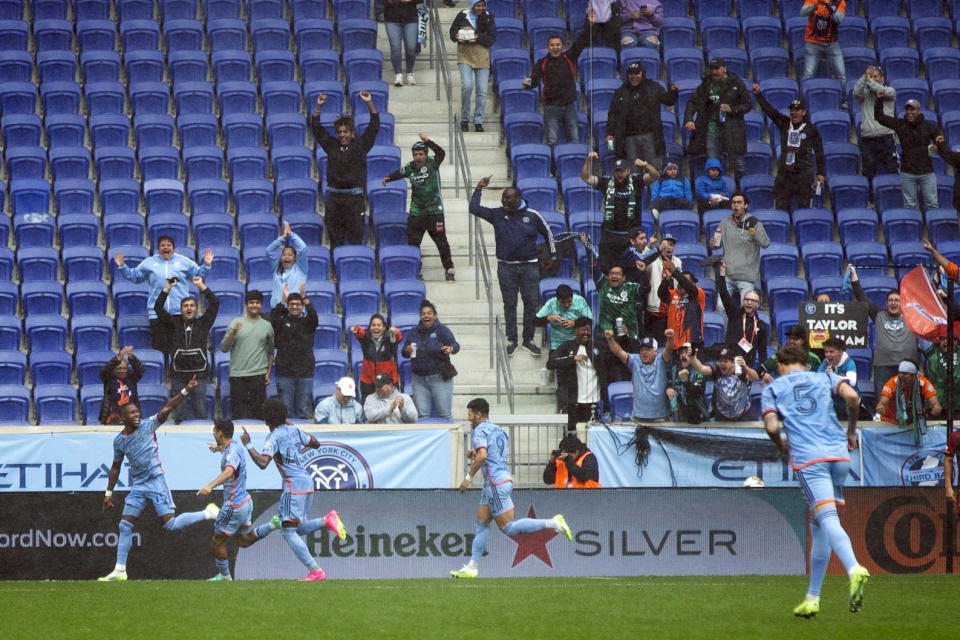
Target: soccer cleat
{"points": [[275, 522], [560, 526], [808, 608], [466, 571], [114, 576], [532, 348], [220, 578], [398, 80], [511, 349], [411, 79], [316, 574], [857, 580], [333, 522], [211, 512]]}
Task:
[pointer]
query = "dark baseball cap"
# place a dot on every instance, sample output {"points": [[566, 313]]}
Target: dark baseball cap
{"points": [[716, 63], [796, 331], [635, 67], [669, 238], [382, 379], [621, 165], [648, 342], [725, 353], [797, 104], [689, 276]]}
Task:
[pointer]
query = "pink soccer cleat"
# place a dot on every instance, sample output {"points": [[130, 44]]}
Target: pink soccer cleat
{"points": [[333, 522], [316, 574]]}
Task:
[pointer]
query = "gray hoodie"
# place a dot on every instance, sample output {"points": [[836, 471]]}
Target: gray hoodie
{"points": [[377, 409], [741, 251], [865, 91]]}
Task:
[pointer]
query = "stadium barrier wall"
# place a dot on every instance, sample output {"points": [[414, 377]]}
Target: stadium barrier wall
{"points": [[425, 534]]}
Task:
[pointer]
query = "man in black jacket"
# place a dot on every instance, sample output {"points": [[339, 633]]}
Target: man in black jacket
{"points": [[294, 324], [555, 72], [634, 126], [916, 136], [578, 376], [798, 138], [714, 115], [747, 334], [187, 336], [346, 171], [951, 157]]}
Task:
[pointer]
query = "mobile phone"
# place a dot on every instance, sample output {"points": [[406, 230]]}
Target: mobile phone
{"points": [[172, 280]]}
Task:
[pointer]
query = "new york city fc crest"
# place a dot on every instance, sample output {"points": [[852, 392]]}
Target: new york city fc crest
{"points": [[334, 466]]}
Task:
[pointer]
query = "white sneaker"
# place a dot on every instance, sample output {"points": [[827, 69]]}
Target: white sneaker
{"points": [[411, 79], [117, 575], [398, 80], [466, 571], [211, 512]]}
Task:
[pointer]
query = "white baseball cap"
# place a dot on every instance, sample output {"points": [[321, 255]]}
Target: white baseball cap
{"points": [[347, 387]]}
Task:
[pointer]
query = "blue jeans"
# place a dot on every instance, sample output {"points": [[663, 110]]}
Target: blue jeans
{"points": [[554, 116], [833, 55], [928, 189], [296, 395], [471, 78], [716, 144], [524, 279], [196, 400], [405, 34], [634, 39], [432, 394]]}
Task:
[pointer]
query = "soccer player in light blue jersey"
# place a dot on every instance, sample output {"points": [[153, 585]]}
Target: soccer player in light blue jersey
{"points": [[489, 452], [819, 453], [234, 518], [283, 446], [138, 444]]}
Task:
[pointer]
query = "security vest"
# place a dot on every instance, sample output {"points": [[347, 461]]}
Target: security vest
{"points": [[563, 480]]}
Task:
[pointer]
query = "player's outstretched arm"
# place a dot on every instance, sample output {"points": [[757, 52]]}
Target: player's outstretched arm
{"points": [[175, 400], [258, 458], [216, 482]]}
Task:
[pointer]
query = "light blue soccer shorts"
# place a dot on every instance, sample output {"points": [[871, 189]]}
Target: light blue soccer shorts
{"points": [[497, 497], [234, 519], [823, 481], [137, 499], [294, 507]]}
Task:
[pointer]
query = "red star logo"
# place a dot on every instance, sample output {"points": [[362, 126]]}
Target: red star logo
{"points": [[533, 544]]}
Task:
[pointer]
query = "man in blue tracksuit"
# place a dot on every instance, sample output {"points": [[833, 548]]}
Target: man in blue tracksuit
{"points": [[516, 228]]}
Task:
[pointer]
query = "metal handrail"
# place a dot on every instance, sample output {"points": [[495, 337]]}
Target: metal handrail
{"points": [[503, 366]]}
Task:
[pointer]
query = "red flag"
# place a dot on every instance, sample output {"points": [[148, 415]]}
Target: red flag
{"points": [[922, 309]]}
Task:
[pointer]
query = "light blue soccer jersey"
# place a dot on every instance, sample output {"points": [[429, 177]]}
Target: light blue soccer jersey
{"points": [[804, 400], [143, 456], [649, 387], [494, 439], [283, 445], [235, 487]]}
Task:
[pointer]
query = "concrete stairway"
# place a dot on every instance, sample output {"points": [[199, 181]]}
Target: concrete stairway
{"points": [[416, 109]]}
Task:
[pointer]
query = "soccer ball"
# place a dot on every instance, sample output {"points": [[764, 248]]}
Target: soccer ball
{"points": [[753, 482]]}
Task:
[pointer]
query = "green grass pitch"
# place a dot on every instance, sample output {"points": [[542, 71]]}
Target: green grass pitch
{"points": [[741, 607]]}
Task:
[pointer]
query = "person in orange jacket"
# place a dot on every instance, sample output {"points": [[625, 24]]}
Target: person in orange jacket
{"points": [[572, 466]]}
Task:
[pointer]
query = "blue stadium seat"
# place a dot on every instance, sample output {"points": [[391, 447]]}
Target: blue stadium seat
{"points": [[174, 225], [942, 225], [163, 195], [96, 34], [328, 331], [389, 198], [876, 286], [178, 10], [257, 230], [759, 158], [941, 63], [886, 191], [203, 163], [143, 67], [399, 262], [866, 253], [284, 129], [108, 130], [138, 35], [77, 226], [353, 262], [152, 397], [15, 403], [785, 293], [683, 224], [678, 32], [848, 192], [834, 125], [759, 189], [270, 34], [539, 193], [683, 63], [134, 9], [308, 225], [226, 34], [323, 294], [568, 158], [13, 368], [509, 64], [779, 92], [231, 65], [282, 96], [620, 395], [9, 332], [297, 196], [89, 364], [215, 229], [183, 35], [313, 33], [890, 31], [334, 92], [123, 229], [830, 285], [41, 297], [46, 332], [50, 367], [721, 32], [648, 57], [403, 296], [769, 62], [822, 258], [37, 263], [60, 97], [383, 160], [822, 94], [359, 297], [134, 330], [931, 31], [100, 66], [901, 224], [779, 260], [9, 295], [87, 297], [54, 403], [242, 129], [776, 223], [761, 31], [857, 59], [379, 93], [812, 225], [18, 97], [159, 163], [129, 298], [29, 195], [357, 33], [736, 59], [390, 228], [152, 369], [17, 66], [329, 366], [208, 196], [114, 162], [247, 163], [253, 196], [514, 98], [692, 255], [239, 96], [308, 9], [153, 130], [74, 196], [53, 34], [149, 97], [899, 62], [193, 97], [226, 260], [33, 230], [351, 10], [577, 196], [908, 253], [597, 62], [291, 162], [322, 64], [530, 161], [222, 9], [26, 163], [523, 128], [509, 32], [118, 195], [842, 159], [910, 88], [852, 32]]}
